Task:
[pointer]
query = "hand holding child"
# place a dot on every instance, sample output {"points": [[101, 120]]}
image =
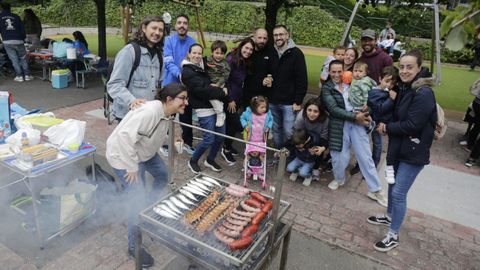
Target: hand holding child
{"points": [[392, 94]]}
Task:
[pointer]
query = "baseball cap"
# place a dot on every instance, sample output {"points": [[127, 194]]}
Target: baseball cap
{"points": [[368, 33]]}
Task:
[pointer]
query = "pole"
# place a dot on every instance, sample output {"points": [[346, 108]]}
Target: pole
{"points": [[171, 153], [437, 43], [432, 51], [199, 22], [349, 24]]}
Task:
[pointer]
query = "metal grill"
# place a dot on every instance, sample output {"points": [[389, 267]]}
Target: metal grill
{"points": [[206, 246]]}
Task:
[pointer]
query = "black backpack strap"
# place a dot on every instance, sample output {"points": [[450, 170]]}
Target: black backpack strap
{"points": [[136, 62]]}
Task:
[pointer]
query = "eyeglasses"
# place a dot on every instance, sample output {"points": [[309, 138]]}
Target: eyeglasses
{"points": [[184, 98], [279, 35]]}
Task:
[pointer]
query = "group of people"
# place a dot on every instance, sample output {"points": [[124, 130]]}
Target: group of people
{"points": [[260, 89], [15, 32]]}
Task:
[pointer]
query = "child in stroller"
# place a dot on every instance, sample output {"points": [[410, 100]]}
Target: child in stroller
{"points": [[256, 121]]}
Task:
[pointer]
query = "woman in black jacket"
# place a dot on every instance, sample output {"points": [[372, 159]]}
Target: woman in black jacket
{"points": [[410, 133], [200, 91]]}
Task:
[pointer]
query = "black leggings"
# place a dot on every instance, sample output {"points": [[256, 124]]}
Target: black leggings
{"points": [[233, 125]]}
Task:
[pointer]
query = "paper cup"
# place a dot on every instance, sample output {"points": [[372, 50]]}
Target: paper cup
{"points": [[179, 147]]}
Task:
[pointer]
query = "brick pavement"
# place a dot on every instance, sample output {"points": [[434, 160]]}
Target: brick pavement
{"points": [[337, 217]]}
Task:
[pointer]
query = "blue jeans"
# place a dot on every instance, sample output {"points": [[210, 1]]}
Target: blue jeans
{"points": [[304, 168], [377, 148], [135, 193], [209, 140], [283, 120], [17, 53], [355, 136], [405, 175]]}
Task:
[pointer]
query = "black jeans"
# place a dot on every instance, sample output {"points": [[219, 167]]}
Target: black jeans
{"points": [[473, 134], [233, 125], [187, 133]]}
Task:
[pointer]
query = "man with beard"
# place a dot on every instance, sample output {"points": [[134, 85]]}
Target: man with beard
{"points": [[376, 60], [128, 90], [254, 84], [289, 87], [175, 51], [375, 57]]}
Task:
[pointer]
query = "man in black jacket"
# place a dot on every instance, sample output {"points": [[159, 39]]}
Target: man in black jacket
{"points": [[261, 67], [289, 87]]}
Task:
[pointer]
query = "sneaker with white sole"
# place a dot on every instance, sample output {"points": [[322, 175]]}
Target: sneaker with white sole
{"points": [[388, 243], [212, 165], [380, 220], [28, 78], [315, 175], [220, 119], [193, 165], [470, 162], [227, 155], [18, 79], [390, 174], [379, 197], [334, 185], [187, 148], [163, 151], [307, 181], [463, 142], [293, 177]]}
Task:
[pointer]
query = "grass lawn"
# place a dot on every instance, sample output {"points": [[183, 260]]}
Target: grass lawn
{"points": [[453, 92]]}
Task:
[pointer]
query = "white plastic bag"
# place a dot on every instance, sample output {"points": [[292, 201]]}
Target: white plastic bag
{"points": [[20, 123], [69, 132], [33, 136]]}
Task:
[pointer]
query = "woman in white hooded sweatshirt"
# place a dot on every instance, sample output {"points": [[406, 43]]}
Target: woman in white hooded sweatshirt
{"points": [[132, 149]]}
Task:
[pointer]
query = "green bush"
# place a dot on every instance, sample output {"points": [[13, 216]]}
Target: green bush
{"points": [[463, 56]]}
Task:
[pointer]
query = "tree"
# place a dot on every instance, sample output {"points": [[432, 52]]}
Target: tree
{"points": [[271, 12], [101, 26], [459, 27]]}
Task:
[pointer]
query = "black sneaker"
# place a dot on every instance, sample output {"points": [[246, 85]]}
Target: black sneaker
{"points": [[389, 242], [234, 151], [470, 162], [355, 169], [228, 156], [193, 165], [212, 165], [147, 259], [379, 220]]}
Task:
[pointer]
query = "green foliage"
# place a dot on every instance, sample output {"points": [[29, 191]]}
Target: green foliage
{"points": [[463, 56]]}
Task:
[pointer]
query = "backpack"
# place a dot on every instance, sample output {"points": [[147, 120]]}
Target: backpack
{"points": [[106, 97], [441, 123]]}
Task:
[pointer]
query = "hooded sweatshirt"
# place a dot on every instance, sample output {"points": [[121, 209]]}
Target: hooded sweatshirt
{"points": [[11, 28], [289, 72], [376, 62]]}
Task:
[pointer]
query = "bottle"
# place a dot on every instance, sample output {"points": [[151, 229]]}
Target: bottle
{"points": [[25, 142]]}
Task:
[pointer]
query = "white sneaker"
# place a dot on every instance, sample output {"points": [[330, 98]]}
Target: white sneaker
{"points": [[307, 181], [316, 175], [379, 197], [390, 174], [28, 78], [334, 185], [293, 176], [220, 119], [18, 79], [163, 151]]}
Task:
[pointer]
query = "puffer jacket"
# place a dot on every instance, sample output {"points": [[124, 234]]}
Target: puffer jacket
{"points": [[411, 130], [335, 106]]}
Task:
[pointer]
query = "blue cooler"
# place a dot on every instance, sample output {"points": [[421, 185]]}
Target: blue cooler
{"points": [[60, 78]]}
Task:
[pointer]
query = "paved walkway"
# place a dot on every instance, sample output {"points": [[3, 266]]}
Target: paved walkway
{"points": [[338, 218]]}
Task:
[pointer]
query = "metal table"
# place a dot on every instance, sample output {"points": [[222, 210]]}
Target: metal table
{"points": [[27, 177]]}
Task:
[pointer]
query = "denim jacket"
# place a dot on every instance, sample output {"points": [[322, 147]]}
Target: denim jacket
{"points": [[143, 85]]}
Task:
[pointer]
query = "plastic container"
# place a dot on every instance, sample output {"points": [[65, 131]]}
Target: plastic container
{"points": [[60, 78]]}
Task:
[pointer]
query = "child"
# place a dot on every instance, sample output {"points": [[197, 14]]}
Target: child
{"points": [[380, 102], [218, 70], [256, 121], [306, 151], [387, 44], [361, 85], [338, 54]]}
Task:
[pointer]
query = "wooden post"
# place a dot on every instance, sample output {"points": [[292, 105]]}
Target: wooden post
{"points": [[125, 22], [199, 22]]}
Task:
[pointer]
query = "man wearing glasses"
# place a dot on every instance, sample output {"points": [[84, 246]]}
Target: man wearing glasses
{"points": [[289, 87]]}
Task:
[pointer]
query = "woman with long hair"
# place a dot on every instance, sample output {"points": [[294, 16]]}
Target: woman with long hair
{"points": [[33, 27], [80, 43], [351, 56], [240, 61]]}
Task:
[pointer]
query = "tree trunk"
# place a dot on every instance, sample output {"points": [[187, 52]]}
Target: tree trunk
{"points": [[102, 33], [271, 17]]}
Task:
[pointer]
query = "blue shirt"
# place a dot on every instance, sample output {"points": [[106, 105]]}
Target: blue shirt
{"points": [[174, 51]]}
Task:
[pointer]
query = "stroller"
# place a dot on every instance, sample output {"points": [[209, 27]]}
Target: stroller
{"points": [[254, 164]]}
